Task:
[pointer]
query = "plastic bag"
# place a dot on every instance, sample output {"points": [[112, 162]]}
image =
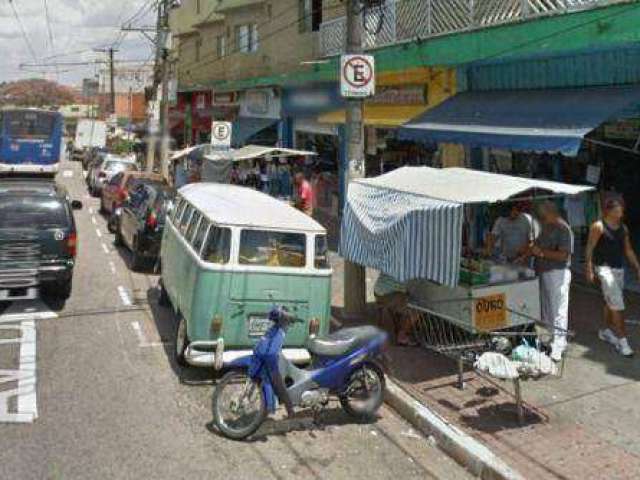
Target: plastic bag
{"points": [[531, 361], [497, 365]]}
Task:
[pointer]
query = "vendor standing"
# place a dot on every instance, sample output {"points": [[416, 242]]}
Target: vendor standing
{"points": [[514, 233], [552, 251]]}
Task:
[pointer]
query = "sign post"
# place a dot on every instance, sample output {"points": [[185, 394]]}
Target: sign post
{"points": [[357, 76], [221, 135]]}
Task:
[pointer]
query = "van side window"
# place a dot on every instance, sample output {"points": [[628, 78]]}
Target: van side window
{"points": [[193, 224], [184, 221], [180, 204], [198, 240], [273, 249], [321, 261], [217, 249]]}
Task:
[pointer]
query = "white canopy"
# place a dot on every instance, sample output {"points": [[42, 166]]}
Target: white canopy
{"points": [[251, 152], [465, 186]]}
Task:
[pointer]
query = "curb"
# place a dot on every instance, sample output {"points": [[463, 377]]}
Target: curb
{"points": [[465, 450]]}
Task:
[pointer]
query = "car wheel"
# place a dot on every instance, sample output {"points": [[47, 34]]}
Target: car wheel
{"points": [[181, 341], [112, 222]]}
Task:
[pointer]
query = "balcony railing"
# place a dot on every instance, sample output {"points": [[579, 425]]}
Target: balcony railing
{"points": [[401, 20]]}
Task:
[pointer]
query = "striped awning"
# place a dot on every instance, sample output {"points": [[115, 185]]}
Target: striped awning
{"points": [[401, 234]]}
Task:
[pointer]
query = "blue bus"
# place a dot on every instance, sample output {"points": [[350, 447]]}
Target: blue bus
{"points": [[30, 141]]}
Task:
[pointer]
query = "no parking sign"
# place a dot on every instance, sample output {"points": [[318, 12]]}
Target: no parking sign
{"points": [[221, 135], [357, 76]]}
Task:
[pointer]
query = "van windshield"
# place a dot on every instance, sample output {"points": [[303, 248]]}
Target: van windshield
{"points": [[273, 249]]}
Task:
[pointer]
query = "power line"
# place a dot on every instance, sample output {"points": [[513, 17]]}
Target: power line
{"points": [[48, 20], [24, 32]]}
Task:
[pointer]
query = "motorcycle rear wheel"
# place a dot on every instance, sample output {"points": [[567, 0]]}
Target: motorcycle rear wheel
{"points": [[364, 394], [231, 396]]}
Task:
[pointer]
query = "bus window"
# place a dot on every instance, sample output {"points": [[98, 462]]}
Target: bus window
{"points": [[25, 124]]}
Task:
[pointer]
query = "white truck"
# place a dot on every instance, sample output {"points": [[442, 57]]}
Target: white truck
{"points": [[90, 133]]}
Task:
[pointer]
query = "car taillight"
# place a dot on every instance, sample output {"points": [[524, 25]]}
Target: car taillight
{"points": [[72, 244], [152, 221]]}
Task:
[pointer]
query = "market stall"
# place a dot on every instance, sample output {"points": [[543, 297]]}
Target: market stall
{"points": [[269, 169], [417, 225]]}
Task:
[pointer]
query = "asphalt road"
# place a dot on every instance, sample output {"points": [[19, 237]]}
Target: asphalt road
{"points": [[88, 390]]}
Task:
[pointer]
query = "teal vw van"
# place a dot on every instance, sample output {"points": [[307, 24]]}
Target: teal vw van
{"points": [[229, 254]]}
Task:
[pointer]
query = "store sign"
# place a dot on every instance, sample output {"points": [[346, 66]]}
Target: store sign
{"points": [[357, 76], [491, 312], [260, 103], [201, 101], [221, 135], [224, 99], [310, 101], [406, 95]]}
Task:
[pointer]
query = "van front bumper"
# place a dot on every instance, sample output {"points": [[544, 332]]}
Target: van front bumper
{"points": [[200, 354]]}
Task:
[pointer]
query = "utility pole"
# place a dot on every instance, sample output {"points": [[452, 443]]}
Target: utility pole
{"points": [[112, 101], [355, 291]]}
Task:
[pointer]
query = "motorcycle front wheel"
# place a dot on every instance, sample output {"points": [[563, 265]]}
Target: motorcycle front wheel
{"points": [[239, 407], [364, 393]]}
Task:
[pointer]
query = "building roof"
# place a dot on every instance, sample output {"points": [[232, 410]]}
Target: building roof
{"points": [[246, 207]]}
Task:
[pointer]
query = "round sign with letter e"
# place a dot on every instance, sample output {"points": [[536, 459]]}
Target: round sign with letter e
{"points": [[357, 76], [221, 134]]}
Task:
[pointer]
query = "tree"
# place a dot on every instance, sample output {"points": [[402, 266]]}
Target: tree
{"points": [[36, 93]]}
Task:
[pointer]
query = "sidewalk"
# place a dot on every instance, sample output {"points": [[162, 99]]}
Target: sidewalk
{"points": [[582, 426]]}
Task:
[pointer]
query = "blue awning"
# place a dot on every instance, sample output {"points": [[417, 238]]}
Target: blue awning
{"points": [[553, 120], [246, 127]]}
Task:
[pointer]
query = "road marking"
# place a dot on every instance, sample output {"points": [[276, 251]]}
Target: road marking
{"points": [[142, 340], [91, 211], [124, 296], [94, 221], [24, 322], [112, 266], [67, 173], [105, 248], [99, 233]]}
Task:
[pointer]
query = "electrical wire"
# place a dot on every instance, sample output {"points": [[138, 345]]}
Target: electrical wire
{"points": [[48, 20], [27, 41]]}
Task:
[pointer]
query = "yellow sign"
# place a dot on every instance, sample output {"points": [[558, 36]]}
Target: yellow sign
{"points": [[491, 312]]}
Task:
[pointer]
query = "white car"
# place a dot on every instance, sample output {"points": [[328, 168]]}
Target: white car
{"points": [[111, 165]]}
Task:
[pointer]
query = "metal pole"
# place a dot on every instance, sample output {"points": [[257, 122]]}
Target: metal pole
{"points": [[112, 81], [152, 135], [355, 293]]}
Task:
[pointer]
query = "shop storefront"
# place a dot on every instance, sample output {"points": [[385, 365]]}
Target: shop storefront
{"points": [[258, 122]]}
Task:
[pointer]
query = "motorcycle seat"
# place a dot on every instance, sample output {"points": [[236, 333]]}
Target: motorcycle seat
{"points": [[342, 342]]}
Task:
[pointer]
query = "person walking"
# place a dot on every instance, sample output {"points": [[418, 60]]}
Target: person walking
{"points": [[608, 245], [553, 251], [303, 194]]}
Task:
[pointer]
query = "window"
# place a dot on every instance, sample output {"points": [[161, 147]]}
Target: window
{"points": [[321, 261], [218, 246], [272, 249], [184, 221], [310, 14], [247, 38], [180, 204], [198, 240], [28, 124], [193, 224], [32, 212], [221, 46], [198, 48]]}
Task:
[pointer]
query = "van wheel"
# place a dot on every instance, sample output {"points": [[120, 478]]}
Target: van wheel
{"points": [[181, 341]]}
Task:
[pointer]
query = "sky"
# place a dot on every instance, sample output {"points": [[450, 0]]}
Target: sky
{"points": [[77, 28]]}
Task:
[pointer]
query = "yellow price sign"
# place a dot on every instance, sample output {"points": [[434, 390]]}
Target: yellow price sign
{"points": [[491, 312]]}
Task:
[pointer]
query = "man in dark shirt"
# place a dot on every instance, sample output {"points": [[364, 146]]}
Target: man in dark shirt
{"points": [[552, 251], [608, 246]]}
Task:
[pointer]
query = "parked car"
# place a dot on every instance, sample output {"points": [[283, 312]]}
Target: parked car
{"points": [[38, 239], [228, 255], [140, 221], [121, 184], [111, 165], [92, 155]]}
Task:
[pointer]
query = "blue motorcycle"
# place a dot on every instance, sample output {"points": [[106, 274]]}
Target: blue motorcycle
{"points": [[344, 364]]}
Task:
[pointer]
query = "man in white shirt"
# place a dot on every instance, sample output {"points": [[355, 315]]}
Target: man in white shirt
{"points": [[513, 233]]}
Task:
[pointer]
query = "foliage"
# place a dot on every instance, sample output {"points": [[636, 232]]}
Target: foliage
{"points": [[36, 93]]}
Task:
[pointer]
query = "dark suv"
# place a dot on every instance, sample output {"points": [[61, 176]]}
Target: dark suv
{"points": [[38, 239]]}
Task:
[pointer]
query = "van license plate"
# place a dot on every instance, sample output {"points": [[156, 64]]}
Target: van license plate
{"points": [[258, 326]]}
